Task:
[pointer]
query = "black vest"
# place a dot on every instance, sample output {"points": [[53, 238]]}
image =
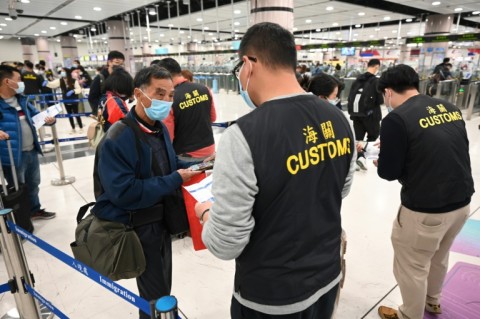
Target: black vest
{"points": [[32, 83], [301, 149], [437, 171], [192, 104]]}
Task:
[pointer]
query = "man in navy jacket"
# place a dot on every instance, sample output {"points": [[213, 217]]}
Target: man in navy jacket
{"points": [[16, 124], [132, 177]]}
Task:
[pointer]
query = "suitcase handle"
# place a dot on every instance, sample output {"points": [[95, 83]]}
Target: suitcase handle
{"points": [[12, 164], [2, 177]]}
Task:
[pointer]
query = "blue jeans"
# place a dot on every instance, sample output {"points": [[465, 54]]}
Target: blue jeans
{"points": [[28, 173]]}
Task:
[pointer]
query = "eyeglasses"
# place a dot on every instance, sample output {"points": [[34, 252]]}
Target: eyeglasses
{"points": [[236, 69]]}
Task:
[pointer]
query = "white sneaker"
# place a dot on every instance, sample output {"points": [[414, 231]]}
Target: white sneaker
{"points": [[362, 163], [80, 130], [73, 131]]}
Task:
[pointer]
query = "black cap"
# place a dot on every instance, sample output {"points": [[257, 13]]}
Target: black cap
{"points": [[115, 55]]}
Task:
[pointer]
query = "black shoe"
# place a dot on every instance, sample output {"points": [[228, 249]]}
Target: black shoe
{"points": [[43, 214]]}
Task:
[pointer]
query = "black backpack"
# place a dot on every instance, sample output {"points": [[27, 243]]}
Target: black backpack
{"points": [[363, 97]]}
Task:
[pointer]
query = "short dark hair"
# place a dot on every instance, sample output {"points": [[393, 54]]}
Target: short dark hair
{"points": [[42, 62], [20, 64], [271, 44], [29, 64], [115, 55], [78, 61], [145, 75], [373, 62], [399, 78], [6, 72], [170, 64], [322, 84], [446, 60], [156, 61], [120, 81]]}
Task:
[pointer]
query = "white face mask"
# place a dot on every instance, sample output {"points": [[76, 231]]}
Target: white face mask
{"points": [[334, 101]]}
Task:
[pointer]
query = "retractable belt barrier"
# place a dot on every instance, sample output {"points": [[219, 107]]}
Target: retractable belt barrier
{"points": [[132, 298], [163, 308]]}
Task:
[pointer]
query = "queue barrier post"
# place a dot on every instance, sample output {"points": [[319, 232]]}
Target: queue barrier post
{"points": [[63, 180], [17, 270], [472, 98]]}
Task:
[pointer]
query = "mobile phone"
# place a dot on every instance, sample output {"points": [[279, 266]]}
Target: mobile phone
{"points": [[202, 166]]}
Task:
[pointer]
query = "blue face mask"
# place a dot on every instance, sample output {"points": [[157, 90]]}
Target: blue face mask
{"points": [[244, 93], [63, 74], [158, 110]]}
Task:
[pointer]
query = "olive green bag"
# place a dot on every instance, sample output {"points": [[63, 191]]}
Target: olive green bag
{"points": [[111, 248]]}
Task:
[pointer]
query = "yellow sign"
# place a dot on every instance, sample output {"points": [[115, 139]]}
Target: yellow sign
{"points": [[191, 101], [320, 152], [439, 116]]}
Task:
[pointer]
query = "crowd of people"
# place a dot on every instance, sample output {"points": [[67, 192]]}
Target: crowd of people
{"points": [[272, 213]]}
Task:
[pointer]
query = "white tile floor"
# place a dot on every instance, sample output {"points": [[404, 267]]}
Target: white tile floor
{"points": [[202, 283]]}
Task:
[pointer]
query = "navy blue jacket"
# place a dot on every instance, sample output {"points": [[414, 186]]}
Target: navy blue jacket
{"points": [[118, 167], [10, 124]]}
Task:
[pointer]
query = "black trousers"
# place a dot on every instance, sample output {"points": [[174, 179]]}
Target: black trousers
{"points": [[322, 309], [72, 108], [156, 281], [369, 125]]}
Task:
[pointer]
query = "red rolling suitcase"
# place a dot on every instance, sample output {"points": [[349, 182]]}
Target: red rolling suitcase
{"points": [[16, 196]]}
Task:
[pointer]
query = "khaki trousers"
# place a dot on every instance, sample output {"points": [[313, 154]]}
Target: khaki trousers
{"points": [[421, 244]]}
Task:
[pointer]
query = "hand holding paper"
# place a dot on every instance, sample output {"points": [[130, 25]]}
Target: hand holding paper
{"points": [[47, 116]]}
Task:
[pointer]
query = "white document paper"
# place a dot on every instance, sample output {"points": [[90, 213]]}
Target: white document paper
{"points": [[202, 191], [39, 119]]}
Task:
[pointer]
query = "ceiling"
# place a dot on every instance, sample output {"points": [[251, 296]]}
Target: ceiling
{"points": [[314, 21]]}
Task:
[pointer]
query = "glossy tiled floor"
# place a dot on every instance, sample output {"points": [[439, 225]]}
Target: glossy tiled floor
{"points": [[202, 283]]}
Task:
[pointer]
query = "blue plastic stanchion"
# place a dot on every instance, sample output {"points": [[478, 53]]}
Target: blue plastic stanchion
{"points": [[103, 281]]}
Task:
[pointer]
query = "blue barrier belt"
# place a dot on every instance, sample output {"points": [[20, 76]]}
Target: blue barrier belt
{"points": [[103, 281], [45, 302], [4, 288], [61, 101], [72, 115], [68, 139], [43, 94]]}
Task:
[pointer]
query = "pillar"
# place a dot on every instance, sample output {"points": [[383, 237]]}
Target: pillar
{"points": [[437, 25], [277, 11], [118, 40], [43, 51], [69, 50], [27, 49]]}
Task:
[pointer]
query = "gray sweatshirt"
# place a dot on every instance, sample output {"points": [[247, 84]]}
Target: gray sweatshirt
{"points": [[230, 222]]}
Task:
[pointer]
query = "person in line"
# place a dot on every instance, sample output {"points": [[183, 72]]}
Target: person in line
{"points": [[325, 87], [84, 78], [275, 218], [187, 75], [119, 88], [125, 180], [441, 66], [190, 120], [70, 88], [97, 88], [436, 190], [17, 126], [33, 81], [364, 108]]}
